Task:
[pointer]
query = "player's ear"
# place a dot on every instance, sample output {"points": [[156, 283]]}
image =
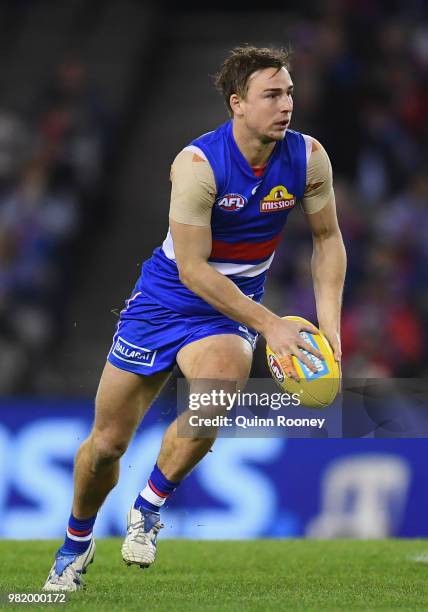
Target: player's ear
{"points": [[235, 104]]}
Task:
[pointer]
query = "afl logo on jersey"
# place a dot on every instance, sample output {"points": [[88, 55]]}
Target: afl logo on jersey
{"points": [[231, 202]]}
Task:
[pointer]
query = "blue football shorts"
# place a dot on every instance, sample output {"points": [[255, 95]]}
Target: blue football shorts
{"points": [[149, 336]]}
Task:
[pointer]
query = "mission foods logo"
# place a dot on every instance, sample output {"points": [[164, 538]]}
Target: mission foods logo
{"points": [[232, 202], [277, 199]]}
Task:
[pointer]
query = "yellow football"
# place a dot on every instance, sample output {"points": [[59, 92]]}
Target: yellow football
{"points": [[316, 389]]}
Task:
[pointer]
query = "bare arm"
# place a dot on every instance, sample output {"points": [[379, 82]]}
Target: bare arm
{"points": [[192, 197], [192, 246], [328, 271], [329, 256]]}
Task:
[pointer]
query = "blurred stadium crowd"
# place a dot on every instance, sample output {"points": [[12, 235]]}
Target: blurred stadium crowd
{"points": [[361, 89], [52, 164]]}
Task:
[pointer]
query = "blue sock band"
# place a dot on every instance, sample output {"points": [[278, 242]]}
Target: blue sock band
{"points": [[159, 484], [162, 483], [78, 534], [81, 524]]}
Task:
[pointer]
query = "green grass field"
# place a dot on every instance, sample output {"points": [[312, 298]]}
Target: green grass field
{"points": [[251, 575]]}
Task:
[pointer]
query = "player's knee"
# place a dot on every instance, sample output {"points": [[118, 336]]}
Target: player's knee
{"points": [[107, 448]]}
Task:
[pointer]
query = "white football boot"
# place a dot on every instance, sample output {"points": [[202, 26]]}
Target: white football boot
{"points": [[139, 546], [66, 572]]}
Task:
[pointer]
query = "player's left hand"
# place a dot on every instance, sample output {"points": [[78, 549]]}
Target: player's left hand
{"points": [[333, 337]]}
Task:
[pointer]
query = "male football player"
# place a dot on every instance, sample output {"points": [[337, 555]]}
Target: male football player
{"points": [[198, 300]]}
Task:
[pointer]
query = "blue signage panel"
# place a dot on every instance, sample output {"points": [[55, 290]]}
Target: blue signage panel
{"points": [[245, 488]]}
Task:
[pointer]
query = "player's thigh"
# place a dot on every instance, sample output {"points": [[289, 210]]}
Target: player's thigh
{"points": [[212, 364], [123, 398], [220, 357]]}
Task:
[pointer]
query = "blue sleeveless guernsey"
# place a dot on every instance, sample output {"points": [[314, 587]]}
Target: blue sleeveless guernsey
{"points": [[247, 220]]}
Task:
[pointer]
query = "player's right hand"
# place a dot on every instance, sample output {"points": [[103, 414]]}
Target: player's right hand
{"points": [[284, 340]]}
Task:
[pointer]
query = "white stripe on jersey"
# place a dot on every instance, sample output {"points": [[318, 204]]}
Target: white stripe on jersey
{"points": [[168, 246], [196, 150], [308, 143], [244, 269], [248, 270]]}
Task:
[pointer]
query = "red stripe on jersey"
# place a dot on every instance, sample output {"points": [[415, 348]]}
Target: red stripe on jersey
{"points": [[244, 251], [79, 534], [154, 489]]}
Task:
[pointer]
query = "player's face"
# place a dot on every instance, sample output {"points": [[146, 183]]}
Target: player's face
{"points": [[267, 107]]}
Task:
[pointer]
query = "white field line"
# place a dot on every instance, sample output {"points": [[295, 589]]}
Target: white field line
{"points": [[419, 557]]}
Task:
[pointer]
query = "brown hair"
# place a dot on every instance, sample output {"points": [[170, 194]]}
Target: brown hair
{"points": [[232, 78]]}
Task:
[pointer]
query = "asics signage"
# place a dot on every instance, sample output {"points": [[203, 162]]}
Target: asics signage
{"points": [[39, 439]]}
